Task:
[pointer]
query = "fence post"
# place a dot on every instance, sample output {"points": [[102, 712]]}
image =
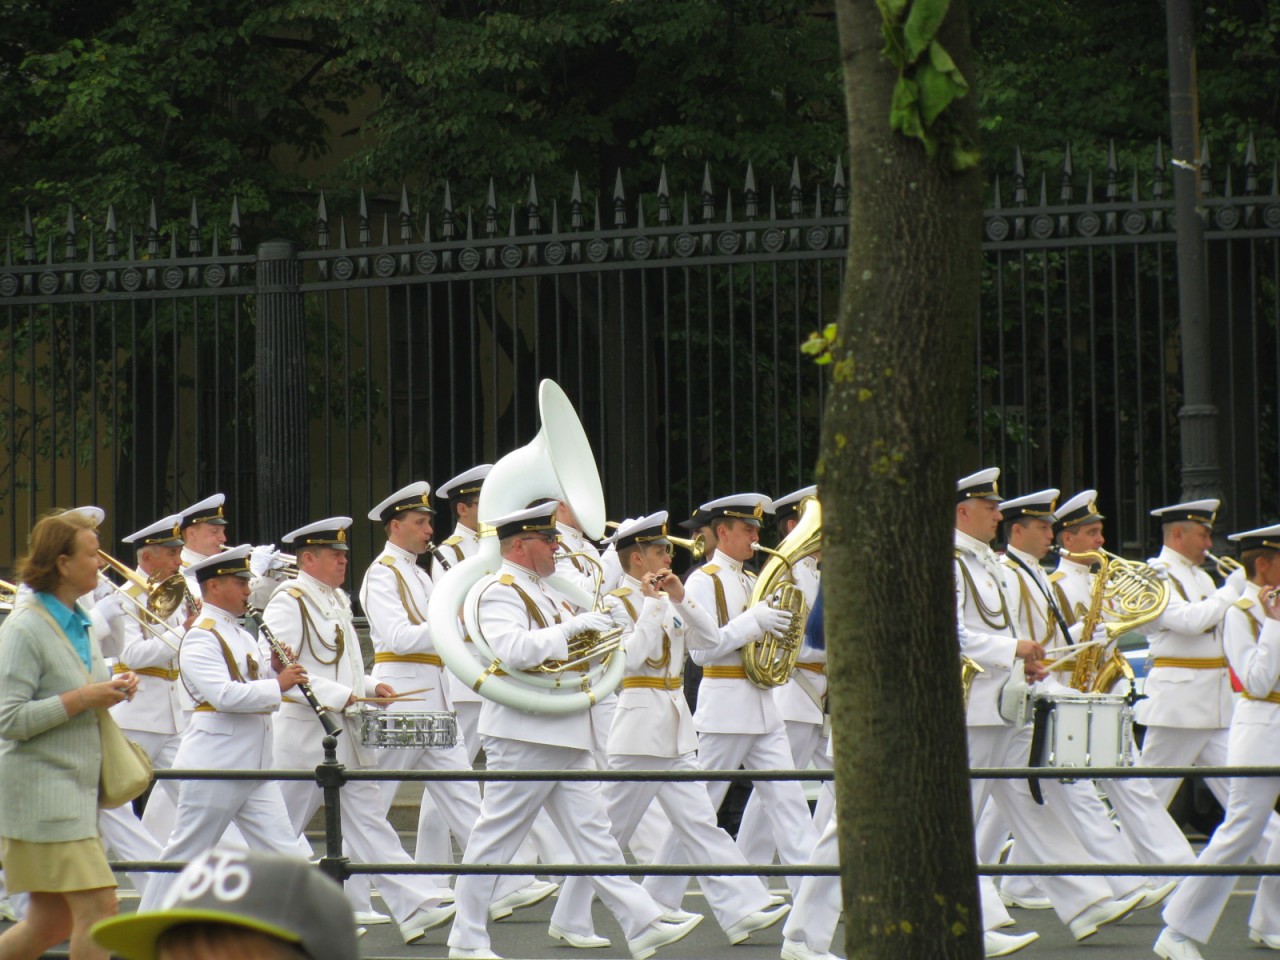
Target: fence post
{"points": [[330, 776], [280, 392]]}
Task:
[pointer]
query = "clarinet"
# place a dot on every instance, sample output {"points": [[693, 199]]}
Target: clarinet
{"points": [[330, 725], [435, 551]]}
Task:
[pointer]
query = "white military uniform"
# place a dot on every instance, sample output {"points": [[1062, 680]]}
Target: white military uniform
{"points": [[653, 730], [1148, 834], [986, 611], [466, 702], [314, 620], [738, 724], [231, 681], [394, 597], [1253, 648], [519, 618], [802, 703], [1189, 702]]}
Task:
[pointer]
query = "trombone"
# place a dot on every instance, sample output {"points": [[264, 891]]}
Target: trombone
{"points": [[163, 597], [8, 595]]}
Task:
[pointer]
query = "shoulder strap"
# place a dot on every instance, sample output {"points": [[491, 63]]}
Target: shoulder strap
{"points": [[402, 587]]}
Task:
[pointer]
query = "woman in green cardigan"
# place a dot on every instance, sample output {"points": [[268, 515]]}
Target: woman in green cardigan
{"points": [[52, 681]]}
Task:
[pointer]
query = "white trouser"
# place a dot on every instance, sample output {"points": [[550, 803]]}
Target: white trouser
{"points": [[369, 838], [1194, 910], [161, 748], [755, 838], [468, 716], [784, 803], [650, 834], [205, 808], [1040, 831], [449, 808], [816, 910], [506, 814], [123, 833], [693, 821]]}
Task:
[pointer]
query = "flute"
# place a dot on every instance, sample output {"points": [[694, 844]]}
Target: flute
{"points": [[330, 725]]}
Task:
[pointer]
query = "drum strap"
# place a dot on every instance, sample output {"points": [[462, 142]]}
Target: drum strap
{"points": [[406, 598], [1041, 708], [1048, 597]]}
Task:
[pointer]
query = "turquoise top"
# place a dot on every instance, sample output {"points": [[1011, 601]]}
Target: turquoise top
{"points": [[75, 623]]}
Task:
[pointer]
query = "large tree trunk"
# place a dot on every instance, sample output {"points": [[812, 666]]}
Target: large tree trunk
{"points": [[889, 462]]}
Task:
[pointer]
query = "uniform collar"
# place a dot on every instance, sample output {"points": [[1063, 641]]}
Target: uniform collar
{"points": [[972, 544], [400, 552], [1022, 555], [523, 574], [629, 581], [569, 533], [189, 556], [1067, 565], [311, 583], [726, 561], [216, 613], [1172, 557], [466, 533], [1251, 591]]}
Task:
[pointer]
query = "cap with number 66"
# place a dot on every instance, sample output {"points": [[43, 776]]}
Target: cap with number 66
{"points": [[275, 894]]}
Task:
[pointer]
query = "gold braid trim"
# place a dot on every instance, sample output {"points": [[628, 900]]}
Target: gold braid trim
{"points": [[986, 613], [402, 587], [309, 631]]}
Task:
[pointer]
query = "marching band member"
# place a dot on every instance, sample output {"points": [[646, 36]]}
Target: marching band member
{"points": [[311, 617], [394, 597], [1147, 833], [463, 493], [987, 619], [652, 730], [203, 530], [1251, 635], [526, 623], [236, 690], [738, 723], [1189, 702], [801, 700]]}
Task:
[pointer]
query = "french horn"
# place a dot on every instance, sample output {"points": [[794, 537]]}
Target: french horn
{"points": [[558, 463]]}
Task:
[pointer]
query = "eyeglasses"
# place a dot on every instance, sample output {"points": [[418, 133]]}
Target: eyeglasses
{"points": [[554, 538]]}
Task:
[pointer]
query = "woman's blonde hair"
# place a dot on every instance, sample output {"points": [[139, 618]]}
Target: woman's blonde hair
{"points": [[53, 536]]}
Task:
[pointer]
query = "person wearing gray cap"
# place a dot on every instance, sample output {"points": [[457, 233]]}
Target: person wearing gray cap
{"points": [[247, 904]]}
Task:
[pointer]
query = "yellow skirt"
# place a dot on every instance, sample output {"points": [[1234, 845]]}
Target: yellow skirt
{"points": [[55, 867]]}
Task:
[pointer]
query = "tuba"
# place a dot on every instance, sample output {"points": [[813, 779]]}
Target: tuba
{"points": [[557, 463], [1126, 595], [771, 661]]}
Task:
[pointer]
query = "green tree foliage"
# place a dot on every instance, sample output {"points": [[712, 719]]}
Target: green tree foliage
{"points": [[1092, 71], [126, 100]]}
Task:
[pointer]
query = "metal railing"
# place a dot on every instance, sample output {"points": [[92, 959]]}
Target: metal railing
{"points": [[331, 775]]}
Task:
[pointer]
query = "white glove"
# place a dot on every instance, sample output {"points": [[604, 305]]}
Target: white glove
{"points": [[583, 622], [1099, 632], [1234, 587], [260, 591], [260, 558], [108, 608], [770, 620]]}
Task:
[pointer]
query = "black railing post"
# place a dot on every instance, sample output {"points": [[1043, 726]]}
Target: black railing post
{"points": [[1201, 470], [280, 391], [330, 776]]}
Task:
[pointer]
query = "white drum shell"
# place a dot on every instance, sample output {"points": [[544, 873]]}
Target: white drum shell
{"points": [[1088, 731]]}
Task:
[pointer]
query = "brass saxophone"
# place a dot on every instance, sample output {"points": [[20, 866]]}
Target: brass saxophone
{"points": [[1126, 595], [771, 661]]}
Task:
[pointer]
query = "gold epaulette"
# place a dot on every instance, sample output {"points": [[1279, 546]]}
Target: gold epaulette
{"points": [[387, 561], [295, 593], [205, 624], [710, 569], [506, 579], [621, 592], [1244, 603], [452, 541], [1055, 576]]}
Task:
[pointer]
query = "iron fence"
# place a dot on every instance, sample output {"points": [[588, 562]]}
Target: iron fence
{"points": [[144, 369]]}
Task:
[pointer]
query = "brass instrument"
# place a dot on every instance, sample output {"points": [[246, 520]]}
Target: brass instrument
{"points": [[969, 670], [590, 644], [1225, 566], [163, 597], [8, 595], [697, 547], [771, 661], [1126, 595]]}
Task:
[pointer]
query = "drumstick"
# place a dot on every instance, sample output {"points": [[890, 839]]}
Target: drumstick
{"points": [[1072, 652], [396, 699]]}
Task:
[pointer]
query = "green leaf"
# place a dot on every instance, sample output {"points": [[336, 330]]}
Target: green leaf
{"points": [[940, 83], [922, 25], [892, 10]]}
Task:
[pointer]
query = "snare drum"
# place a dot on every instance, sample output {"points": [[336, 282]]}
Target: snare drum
{"points": [[378, 728], [1088, 731]]}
